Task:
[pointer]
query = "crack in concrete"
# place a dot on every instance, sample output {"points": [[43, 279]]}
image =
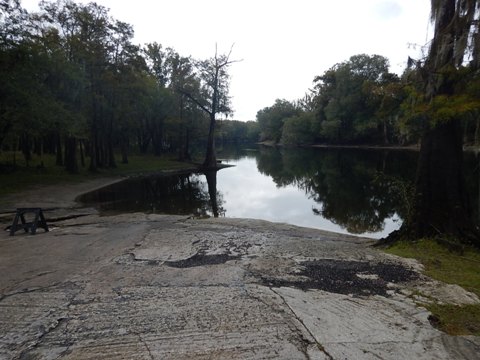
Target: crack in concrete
{"points": [[31, 278], [319, 346], [27, 291], [66, 217], [373, 354], [146, 346], [24, 354], [68, 342], [33, 343]]}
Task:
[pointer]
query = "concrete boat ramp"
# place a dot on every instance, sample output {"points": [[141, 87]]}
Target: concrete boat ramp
{"points": [[139, 286]]}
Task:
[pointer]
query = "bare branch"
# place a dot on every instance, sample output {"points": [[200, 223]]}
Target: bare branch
{"points": [[192, 98], [227, 58]]}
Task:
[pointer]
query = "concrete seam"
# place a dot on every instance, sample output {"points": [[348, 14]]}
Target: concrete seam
{"points": [[320, 346]]}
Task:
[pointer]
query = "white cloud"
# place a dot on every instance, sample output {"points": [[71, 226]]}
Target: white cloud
{"points": [[387, 10]]}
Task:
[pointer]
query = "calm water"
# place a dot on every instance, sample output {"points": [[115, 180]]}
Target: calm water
{"points": [[361, 192]]}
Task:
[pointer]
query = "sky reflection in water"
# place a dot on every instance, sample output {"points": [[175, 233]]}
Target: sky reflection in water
{"points": [[249, 194], [352, 191], [346, 191]]}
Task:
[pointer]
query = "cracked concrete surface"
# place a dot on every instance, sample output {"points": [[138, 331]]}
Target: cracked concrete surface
{"points": [[105, 288]]}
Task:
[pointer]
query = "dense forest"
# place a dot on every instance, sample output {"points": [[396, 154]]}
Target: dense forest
{"points": [[359, 102], [73, 84]]}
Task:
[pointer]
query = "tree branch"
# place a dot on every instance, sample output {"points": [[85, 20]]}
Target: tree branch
{"points": [[192, 98], [227, 57]]}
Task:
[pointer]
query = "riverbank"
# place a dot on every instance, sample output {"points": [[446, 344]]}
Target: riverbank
{"points": [[414, 147], [333, 146], [172, 287]]}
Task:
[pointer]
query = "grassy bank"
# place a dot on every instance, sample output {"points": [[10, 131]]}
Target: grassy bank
{"points": [[43, 171], [461, 268]]}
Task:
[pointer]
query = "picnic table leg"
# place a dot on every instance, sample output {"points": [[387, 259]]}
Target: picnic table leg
{"points": [[24, 222], [35, 222], [31, 227], [43, 222], [13, 228]]}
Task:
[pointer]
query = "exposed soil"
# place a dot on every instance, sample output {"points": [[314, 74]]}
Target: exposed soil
{"points": [[347, 277], [201, 260]]}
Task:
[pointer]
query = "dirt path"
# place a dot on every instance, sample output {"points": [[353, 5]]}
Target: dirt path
{"points": [[167, 287]]}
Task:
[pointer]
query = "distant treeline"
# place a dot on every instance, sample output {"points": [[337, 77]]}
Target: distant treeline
{"points": [[73, 84], [360, 102]]}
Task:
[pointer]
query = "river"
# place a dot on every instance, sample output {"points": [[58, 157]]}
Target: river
{"points": [[351, 191]]}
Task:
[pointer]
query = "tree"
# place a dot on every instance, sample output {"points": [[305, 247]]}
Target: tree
{"points": [[440, 204], [388, 98], [211, 96], [71, 79], [271, 119], [346, 104], [297, 130]]}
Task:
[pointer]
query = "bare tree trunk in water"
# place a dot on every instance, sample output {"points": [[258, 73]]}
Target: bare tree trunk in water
{"points": [[212, 190]]}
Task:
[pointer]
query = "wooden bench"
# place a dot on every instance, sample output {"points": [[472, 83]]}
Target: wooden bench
{"points": [[38, 222]]}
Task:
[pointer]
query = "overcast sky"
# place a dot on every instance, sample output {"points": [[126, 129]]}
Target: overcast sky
{"points": [[284, 44]]}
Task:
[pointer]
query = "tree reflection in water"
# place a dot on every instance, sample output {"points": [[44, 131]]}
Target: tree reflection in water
{"points": [[186, 194], [354, 189], [212, 190], [361, 191]]}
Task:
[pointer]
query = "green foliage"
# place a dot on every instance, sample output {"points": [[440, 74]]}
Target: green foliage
{"points": [[453, 267], [442, 263], [271, 119], [456, 320], [71, 71], [348, 98], [238, 132], [360, 102], [297, 130]]}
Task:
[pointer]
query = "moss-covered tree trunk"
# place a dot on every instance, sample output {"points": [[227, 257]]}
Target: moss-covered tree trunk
{"points": [[440, 205]]}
